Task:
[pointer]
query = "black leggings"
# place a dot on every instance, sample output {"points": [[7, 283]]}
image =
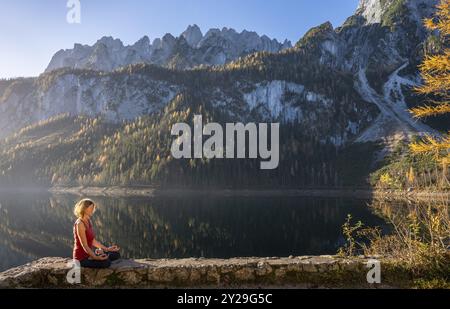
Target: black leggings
{"points": [[88, 263]]}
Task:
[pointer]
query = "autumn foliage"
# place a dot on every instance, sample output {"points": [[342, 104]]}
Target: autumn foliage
{"points": [[435, 72]]}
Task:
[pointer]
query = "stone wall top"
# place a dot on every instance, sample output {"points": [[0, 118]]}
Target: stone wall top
{"points": [[305, 272]]}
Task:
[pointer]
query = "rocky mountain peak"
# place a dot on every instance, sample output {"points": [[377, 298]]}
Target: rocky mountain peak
{"points": [[216, 47], [143, 41], [110, 42], [383, 11], [193, 35], [362, 69], [372, 10]]}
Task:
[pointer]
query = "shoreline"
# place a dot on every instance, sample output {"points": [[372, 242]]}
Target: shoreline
{"points": [[148, 191]]}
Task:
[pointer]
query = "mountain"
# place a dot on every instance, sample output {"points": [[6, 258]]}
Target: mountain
{"points": [[381, 45], [337, 93], [190, 49]]}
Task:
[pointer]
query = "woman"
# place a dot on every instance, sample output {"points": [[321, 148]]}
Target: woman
{"points": [[85, 239]]}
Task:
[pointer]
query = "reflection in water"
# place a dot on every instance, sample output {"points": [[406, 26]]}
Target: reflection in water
{"points": [[38, 225], [421, 231]]}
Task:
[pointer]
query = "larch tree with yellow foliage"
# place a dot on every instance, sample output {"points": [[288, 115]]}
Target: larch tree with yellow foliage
{"points": [[435, 72]]}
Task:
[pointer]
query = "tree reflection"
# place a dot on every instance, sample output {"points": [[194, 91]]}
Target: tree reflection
{"points": [[33, 226]]}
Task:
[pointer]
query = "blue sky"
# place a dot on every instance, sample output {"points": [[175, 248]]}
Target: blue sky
{"points": [[32, 31]]}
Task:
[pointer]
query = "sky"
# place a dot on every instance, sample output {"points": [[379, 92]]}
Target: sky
{"points": [[32, 31]]}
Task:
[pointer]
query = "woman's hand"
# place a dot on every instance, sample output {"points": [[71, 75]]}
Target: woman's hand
{"points": [[102, 257], [113, 249]]}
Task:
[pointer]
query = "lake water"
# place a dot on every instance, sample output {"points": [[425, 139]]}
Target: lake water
{"points": [[39, 225]]}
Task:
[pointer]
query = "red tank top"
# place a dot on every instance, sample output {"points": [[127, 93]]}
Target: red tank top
{"points": [[78, 251]]}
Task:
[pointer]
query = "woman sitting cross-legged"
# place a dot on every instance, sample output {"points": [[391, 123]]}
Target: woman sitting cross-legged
{"points": [[84, 239]]}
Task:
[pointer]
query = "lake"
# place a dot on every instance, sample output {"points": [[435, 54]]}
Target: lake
{"points": [[40, 224]]}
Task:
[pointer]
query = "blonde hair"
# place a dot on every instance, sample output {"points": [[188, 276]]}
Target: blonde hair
{"points": [[81, 207]]}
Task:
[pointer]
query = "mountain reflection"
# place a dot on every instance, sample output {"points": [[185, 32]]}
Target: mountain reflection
{"points": [[38, 225]]}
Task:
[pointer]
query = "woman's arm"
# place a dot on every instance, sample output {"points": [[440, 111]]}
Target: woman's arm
{"points": [[81, 232], [97, 244]]}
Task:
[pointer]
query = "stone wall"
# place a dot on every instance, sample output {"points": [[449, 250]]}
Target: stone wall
{"points": [[302, 272]]}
